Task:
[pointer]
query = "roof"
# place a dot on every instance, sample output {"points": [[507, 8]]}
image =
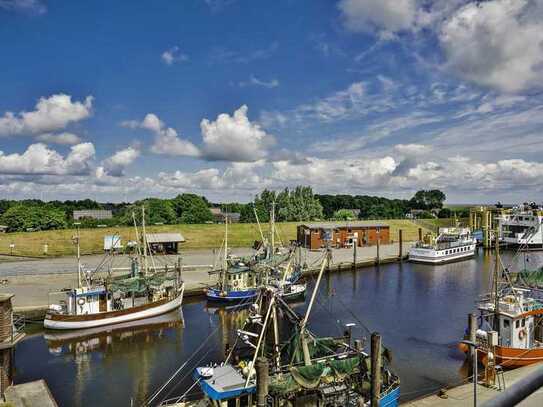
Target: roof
{"points": [[164, 237], [5, 297], [344, 225]]}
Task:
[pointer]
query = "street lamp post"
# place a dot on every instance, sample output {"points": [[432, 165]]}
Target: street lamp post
{"points": [[475, 347]]}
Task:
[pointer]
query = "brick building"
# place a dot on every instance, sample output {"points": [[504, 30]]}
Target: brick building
{"points": [[314, 235]]}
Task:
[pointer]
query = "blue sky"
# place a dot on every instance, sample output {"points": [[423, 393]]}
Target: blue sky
{"points": [[122, 100]]}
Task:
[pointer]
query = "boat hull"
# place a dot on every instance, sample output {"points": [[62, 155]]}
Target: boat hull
{"points": [[391, 398], [60, 321], [231, 296], [416, 257], [511, 358]]}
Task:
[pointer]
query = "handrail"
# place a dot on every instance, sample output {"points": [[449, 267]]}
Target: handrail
{"points": [[518, 391]]}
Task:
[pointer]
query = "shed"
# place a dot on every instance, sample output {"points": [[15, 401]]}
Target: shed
{"points": [[3, 228], [314, 235], [166, 243], [98, 214], [112, 243]]}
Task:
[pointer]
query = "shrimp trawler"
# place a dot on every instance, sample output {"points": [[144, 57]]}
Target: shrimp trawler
{"points": [[98, 301], [237, 281], [452, 244], [304, 368], [509, 327]]}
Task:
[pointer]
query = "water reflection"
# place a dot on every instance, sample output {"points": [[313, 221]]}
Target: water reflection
{"points": [[420, 310]]}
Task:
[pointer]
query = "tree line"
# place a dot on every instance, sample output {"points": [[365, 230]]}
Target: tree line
{"points": [[291, 205]]}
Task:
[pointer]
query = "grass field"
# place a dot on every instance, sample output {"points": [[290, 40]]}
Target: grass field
{"points": [[59, 242]]}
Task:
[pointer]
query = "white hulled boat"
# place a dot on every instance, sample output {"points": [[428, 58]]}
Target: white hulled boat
{"points": [[98, 301], [522, 226], [452, 244]]}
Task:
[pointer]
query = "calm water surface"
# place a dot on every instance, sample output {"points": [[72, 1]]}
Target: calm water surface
{"points": [[421, 312]]}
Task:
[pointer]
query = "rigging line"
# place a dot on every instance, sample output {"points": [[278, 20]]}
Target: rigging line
{"points": [[155, 395]]}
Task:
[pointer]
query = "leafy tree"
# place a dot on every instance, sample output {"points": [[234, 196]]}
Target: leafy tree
{"points": [[343, 214], [191, 208], [22, 217], [445, 213], [432, 199], [156, 211]]}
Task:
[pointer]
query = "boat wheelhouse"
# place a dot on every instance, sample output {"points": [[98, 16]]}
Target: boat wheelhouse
{"points": [[237, 283], [452, 244], [522, 226]]}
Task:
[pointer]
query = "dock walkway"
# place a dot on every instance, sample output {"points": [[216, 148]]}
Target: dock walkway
{"points": [[31, 281], [462, 396]]}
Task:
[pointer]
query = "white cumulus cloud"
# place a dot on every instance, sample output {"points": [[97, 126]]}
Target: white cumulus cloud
{"points": [[167, 141], [64, 138], [39, 159], [234, 138], [116, 164], [50, 114], [496, 43]]}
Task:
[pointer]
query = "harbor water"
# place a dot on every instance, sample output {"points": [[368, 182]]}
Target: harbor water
{"points": [[420, 311]]}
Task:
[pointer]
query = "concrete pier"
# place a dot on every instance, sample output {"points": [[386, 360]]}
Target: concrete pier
{"points": [[32, 281], [462, 396]]}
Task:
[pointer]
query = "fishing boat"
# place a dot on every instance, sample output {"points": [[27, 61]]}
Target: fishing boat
{"points": [[509, 329], [304, 368], [451, 244], [522, 226], [98, 301]]}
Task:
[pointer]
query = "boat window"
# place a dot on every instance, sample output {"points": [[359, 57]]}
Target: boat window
{"points": [[517, 323], [523, 322], [506, 323], [89, 298]]}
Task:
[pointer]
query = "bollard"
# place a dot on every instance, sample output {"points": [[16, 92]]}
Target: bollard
{"points": [[261, 381], [420, 234], [400, 252], [375, 369]]}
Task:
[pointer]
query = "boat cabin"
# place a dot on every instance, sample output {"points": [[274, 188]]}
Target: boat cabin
{"points": [[519, 321], [239, 278], [85, 300]]}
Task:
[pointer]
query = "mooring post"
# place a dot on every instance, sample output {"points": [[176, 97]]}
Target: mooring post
{"points": [[472, 331], [355, 243], [378, 247], [400, 252], [420, 234], [375, 369], [261, 381]]}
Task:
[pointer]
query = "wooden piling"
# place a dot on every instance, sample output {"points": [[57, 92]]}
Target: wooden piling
{"points": [[400, 240], [420, 234], [355, 243], [375, 369], [261, 381], [378, 249]]}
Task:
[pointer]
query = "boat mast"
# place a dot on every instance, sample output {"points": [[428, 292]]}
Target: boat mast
{"points": [[145, 265], [225, 260], [307, 357], [272, 228], [496, 282], [78, 257]]}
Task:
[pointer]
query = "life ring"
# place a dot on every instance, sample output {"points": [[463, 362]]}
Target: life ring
{"points": [[235, 283], [81, 301], [522, 334]]}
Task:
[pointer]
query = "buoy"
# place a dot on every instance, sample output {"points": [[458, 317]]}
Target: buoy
{"points": [[463, 347]]}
